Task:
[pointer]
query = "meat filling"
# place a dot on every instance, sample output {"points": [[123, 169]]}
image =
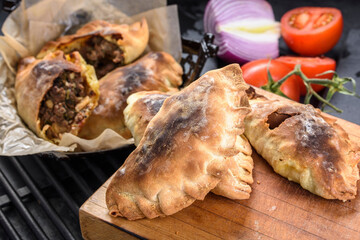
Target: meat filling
{"points": [[58, 109], [102, 54]]}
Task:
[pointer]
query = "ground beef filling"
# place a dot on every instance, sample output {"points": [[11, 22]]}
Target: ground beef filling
{"points": [[58, 107], [102, 54]]}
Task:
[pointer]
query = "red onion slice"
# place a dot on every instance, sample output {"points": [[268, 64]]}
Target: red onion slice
{"points": [[244, 30]]}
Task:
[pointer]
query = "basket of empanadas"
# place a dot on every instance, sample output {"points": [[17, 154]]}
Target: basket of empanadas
{"points": [[70, 90]]}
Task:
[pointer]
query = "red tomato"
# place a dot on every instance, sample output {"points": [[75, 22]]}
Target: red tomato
{"points": [[311, 31], [310, 67], [255, 73]]}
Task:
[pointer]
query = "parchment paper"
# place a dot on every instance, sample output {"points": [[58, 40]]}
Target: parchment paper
{"points": [[34, 23]]}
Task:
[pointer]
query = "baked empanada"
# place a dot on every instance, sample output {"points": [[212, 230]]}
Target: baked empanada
{"points": [[56, 94], [155, 71], [193, 145], [305, 146], [104, 45], [141, 108]]}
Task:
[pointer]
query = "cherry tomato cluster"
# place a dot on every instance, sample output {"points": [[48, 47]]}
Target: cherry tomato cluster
{"points": [[308, 31]]}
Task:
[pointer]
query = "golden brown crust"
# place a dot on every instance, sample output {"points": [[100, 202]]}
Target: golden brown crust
{"points": [[188, 149], [155, 71], [303, 145], [36, 77], [132, 39], [141, 108]]}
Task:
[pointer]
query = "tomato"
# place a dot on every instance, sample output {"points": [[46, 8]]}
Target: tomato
{"points": [[310, 66], [311, 31], [255, 73]]}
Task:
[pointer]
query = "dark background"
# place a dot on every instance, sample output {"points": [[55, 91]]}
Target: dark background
{"points": [[346, 52]]}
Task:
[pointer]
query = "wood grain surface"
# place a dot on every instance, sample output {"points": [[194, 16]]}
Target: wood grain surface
{"points": [[277, 209]]}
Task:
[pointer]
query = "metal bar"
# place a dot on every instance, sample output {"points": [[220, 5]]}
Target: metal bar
{"points": [[59, 187], [43, 202], [22, 192], [10, 230], [78, 180], [21, 207], [98, 173]]}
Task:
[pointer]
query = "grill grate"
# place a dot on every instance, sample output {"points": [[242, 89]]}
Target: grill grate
{"points": [[44, 200], [40, 194]]}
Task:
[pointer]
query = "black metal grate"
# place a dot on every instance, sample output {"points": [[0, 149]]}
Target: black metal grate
{"points": [[40, 194]]}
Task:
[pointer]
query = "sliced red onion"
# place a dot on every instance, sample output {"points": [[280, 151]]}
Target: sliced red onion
{"points": [[244, 30]]}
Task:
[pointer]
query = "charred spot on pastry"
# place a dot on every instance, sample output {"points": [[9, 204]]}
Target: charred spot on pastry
{"points": [[155, 107], [158, 56], [275, 119], [314, 138], [154, 102], [189, 118], [46, 68], [314, 135], [134, 76]]}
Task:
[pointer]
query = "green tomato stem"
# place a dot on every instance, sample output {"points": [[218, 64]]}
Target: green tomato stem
{"points": [[334, 85]]}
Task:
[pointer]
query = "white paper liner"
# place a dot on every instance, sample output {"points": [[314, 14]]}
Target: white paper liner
{"points": [[36, 22]]}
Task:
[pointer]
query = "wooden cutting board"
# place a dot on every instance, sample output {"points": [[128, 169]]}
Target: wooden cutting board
{"points": [[277, 209]]}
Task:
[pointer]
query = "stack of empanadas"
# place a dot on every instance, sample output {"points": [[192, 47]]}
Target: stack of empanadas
{"points": [[193, 145], [297, 140]]}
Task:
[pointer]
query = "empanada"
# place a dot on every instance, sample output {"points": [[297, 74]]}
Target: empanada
{"points": [[56, 94], [305, 146], [155, 71], [193, 145], [141, 108], [104, 45]]}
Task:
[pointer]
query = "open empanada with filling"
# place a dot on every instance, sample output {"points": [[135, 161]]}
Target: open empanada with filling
{"points": [[56, 94], [104, 45], [155, 71], [305, 146], [192, 145]]}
